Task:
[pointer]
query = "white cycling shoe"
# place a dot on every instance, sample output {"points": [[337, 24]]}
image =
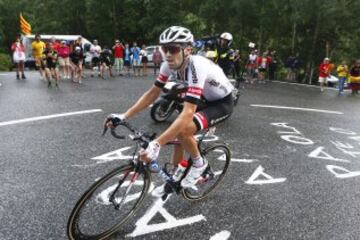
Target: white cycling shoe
{"points": [[193, 175]]}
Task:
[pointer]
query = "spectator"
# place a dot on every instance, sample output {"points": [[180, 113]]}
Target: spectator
{"points": [[79, 43], [118, 49], [272, 65], [342, 71], [236, 60], [18, 49], [95, 51], [51, 70], [324, 72], [144, 60], [76, 58], [55, 44], [135, 50], [105, 62], [127, 58], [64, 60], [38, 48], [251, 66], [262, 64], [354, 79], [157, 59]]}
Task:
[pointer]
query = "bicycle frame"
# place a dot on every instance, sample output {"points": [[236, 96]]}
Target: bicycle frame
{"points": [[139, 166]]}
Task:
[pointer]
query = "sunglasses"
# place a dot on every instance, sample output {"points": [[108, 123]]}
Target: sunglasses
{"points": [[171, 49]]}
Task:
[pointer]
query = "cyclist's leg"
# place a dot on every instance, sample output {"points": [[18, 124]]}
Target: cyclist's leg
{"points": [[178, 154], [214, 113]]}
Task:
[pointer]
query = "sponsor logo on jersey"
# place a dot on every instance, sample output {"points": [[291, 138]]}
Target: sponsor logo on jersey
{"points": [[214, 83], [193, 73]]}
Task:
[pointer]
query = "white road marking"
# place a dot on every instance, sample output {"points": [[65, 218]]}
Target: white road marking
{"points": [[307, 85], [296, 108], [33, 119], [223, 235]]}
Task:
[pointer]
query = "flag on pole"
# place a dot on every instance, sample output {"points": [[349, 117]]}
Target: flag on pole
{"points": [[24, 26]]}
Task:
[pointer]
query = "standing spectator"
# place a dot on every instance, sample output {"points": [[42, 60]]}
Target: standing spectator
{"points": [[324, 72], [354, 79], [136, 58], [79, 43], [144, 60], [95, 51], [236, 60], [64, 60], [289, 63], [251, 66], [51, 70], [105, 62], [76, 58], [272, 65], [127, 58], [38, 48], [263, 64], [157, 59], [342, 71], [118, 49], [18, 49], [54, 43]]}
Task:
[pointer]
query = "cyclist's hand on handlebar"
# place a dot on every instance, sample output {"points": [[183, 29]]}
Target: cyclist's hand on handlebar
{"points": [[113, 120], [151, 152]]}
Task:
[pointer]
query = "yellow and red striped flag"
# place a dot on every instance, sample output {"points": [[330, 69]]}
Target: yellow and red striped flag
{"points": [[24, 26]]}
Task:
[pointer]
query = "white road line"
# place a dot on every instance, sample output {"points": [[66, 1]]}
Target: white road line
{"points": [[296, 108], [48, 117], [305, 85]]}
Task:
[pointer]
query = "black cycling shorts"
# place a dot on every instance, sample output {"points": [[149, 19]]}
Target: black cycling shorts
{"points": [[213, 113]]}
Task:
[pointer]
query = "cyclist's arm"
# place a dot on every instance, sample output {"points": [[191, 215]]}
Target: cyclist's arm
{"points": [[177, 126], [145, 100]]}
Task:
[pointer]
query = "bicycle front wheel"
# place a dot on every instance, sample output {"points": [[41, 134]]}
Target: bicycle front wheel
{"points": [[218, 157], [108, 203]]}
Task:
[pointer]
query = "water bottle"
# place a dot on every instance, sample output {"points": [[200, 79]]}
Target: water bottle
{"points": [[165, 176], [180, 170], [154, 166]]}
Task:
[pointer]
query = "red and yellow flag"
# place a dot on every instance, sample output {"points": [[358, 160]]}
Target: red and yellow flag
{"points": [[24, 26]]}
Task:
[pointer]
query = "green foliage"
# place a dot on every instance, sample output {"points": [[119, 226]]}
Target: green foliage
{"points": [[5, 62], [314, 28]]}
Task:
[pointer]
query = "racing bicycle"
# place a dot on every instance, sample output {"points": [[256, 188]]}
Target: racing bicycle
{"points": [[114, 198]]}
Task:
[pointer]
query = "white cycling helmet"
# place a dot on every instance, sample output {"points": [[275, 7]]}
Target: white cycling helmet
{"points": [[227, 36], [176, 34]]}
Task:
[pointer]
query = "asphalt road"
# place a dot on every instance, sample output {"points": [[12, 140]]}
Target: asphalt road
{"points": [[295, 173]]}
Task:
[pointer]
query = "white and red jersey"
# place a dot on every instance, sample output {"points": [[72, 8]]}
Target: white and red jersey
{"points": [[204, 79]]}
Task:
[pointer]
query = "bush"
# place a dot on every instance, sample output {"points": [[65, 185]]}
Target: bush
{"points": [[5, 62]]}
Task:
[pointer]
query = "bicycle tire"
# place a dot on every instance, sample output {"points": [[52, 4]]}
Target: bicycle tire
{"points": [[73, 231], [156, 112], [225, 157]]}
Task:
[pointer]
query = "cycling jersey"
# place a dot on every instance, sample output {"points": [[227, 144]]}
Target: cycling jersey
{"points": [[204, 79]]}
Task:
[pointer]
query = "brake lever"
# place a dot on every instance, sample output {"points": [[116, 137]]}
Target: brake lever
{"points": [[104, 131]]}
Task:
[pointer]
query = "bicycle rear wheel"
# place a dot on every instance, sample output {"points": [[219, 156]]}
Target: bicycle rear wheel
{"points": [[96, 216], [218, 157]]}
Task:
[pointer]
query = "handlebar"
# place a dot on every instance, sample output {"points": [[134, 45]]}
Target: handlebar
{"points": [[137, 135]]}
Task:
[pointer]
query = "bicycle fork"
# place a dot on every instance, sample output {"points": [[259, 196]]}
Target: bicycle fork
{"points": [[128, 189]]}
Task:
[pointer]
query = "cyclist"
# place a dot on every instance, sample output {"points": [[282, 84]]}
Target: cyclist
{"points": [[224, 53], [206, 83]]}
